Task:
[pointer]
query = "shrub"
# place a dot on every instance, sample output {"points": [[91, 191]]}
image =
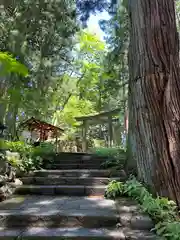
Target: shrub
{"points": [[116, 156], [161, 210], [20, 147], [109, 152], [43, 149], [30, 163], [30, 158]]}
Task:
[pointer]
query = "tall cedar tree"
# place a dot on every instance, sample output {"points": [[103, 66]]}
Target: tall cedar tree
{"points": [[154, 95]]}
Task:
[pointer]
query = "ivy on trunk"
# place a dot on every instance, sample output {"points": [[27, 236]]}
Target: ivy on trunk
{"points": [[154, 95]]}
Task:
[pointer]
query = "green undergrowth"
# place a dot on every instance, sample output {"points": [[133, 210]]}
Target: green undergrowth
{"points": [[116, 157], [163, 212], [26, 157]]}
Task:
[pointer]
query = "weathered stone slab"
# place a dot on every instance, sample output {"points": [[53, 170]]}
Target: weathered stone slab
{"points": [[44, 211], [35, 189], [73, 233], [140, 221], [75, 173], [37, 233], [58, 180], [56, 220], [80, 161], [69, 190], [140, 235], [130, 215], [94, 190], [10, 234], [126, 205], [12, 203]]}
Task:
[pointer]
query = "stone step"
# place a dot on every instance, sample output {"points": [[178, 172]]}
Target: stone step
{"points": [[58, 180], [56, 211], [76, 233], [73, 166], [78, 173], [82, 156], [73, 218], [130, 215], [65, 190], [78, 156], [49, 211], [57, 218], [79, 161]]}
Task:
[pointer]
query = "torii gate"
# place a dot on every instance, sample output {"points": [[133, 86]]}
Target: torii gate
{"points": [[104, 117]]}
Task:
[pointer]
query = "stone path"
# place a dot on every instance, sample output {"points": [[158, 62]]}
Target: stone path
{"points": [[68, 204]]}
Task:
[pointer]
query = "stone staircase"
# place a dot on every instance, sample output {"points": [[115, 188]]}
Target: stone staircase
{"points": [[65, 201]]}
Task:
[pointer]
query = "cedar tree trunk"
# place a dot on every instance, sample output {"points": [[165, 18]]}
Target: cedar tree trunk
{"points": [[154, 95]]}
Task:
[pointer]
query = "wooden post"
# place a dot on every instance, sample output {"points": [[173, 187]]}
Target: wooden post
{"points": [[114, 129], [110, 131], [84, 132], [56, 143]]}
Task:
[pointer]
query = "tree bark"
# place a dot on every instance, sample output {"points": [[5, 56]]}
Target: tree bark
{"points": [[154, 95]]}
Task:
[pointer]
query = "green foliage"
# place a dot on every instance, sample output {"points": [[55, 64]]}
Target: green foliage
{"points": [[2, 144], [83, 91], [74, 108], [20, 147], [26, 27], [11, 65], [43, 150], [116, 61], [116, 156], [67, 73], [161, 210], [26, 157], [67, 76], [13, 158], [114, 189], [30, 163], [115, 152], [90, 42]]}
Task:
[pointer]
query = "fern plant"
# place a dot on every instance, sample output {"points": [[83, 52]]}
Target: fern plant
{"points": [[114, 189], [163, 212]]}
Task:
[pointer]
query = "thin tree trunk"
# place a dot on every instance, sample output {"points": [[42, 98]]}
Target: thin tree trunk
{"points": [[154, 93], [11, 119], [2, 111]]}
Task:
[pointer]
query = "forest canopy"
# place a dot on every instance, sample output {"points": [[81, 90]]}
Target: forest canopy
{"points": [[69, 68]]}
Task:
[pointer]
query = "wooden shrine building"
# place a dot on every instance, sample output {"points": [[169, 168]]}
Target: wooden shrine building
{"points": [[42, 130]]}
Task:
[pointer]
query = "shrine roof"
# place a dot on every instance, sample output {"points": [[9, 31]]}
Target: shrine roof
{"points": [[36, 123]]}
